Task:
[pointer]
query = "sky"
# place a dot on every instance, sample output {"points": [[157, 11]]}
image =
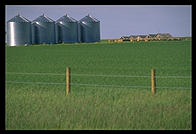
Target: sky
{"points": [[117, 20]]}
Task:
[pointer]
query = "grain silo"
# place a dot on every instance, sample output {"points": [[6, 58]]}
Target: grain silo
{"points": [[18, 31], [79, 32], [66, 29], [90, 29], [43, 30]]}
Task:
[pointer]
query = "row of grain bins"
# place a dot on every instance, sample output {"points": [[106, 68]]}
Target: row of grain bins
{"points": [[21, 31]]}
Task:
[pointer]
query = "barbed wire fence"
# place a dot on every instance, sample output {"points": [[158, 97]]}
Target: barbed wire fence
{"points": [[95, 76]]}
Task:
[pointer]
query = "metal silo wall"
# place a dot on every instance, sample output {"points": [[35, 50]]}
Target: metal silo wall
{"points": [[43, 32], [97, 33], [90, 31], [66, 32], [79, 33], [57, 38], [18, 33]]}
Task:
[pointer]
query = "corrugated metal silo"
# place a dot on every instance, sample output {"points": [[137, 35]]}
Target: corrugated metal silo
{"points": [[79, 32], [90, 29], [43, 30], [66, 29], [18, 31]]}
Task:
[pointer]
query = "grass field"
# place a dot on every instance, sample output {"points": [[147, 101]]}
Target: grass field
{"points": [[100, 98]]}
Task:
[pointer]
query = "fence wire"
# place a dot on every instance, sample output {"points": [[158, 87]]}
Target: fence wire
{"points": [[16, 73], [30, 82], [100, 75], [97, 75], [94, 85]]}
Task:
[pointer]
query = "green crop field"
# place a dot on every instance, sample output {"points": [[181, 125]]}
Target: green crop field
{"points": [[110, 86]]}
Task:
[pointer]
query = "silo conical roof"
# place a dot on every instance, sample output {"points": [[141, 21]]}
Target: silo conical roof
{"points": [[66, 18], [43, 18], [89, 18], [19, 18]]}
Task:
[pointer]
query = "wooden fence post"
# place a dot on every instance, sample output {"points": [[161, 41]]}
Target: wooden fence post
{"points": [[153, 81], [67, 80]]}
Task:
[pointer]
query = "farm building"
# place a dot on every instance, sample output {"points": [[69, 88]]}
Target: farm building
{"points": [[153, 36], [125, 38], [18, 31], [147, 38], [132, 38], [158, 36], [43, 30], [142, 37], [136, 38], [66, 29], [89, 29], [163, 36]]}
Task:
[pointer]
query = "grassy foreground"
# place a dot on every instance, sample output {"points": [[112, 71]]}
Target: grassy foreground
{"points": [[96, 108], [42, 106]]}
